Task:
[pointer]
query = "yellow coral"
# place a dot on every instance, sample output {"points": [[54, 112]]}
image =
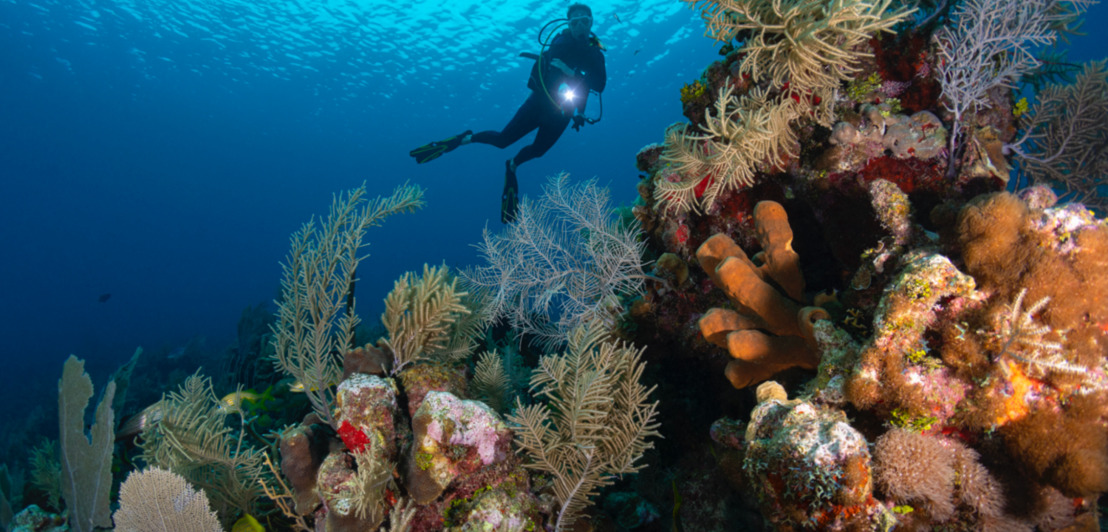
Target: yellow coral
{"points": [[692, 91]]}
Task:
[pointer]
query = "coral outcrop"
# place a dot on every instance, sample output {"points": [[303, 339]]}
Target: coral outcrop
{"points": [[807, 466], [451, 438]]}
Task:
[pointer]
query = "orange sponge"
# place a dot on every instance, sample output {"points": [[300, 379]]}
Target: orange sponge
{"points": [[769, 331]]}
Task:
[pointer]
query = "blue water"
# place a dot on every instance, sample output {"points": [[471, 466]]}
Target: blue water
{"points": [[163, 152]]}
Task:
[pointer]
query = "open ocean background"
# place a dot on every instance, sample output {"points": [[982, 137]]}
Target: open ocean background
{"points": [[163, 152]]}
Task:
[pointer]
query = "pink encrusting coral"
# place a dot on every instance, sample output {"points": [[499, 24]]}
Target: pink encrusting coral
{"points": [[474, 425], [452, 437]]}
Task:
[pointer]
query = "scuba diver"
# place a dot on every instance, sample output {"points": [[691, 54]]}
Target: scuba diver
{"points": [[560, 81]]}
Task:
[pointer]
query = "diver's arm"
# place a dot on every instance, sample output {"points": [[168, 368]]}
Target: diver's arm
{"points": [[561, 65]]}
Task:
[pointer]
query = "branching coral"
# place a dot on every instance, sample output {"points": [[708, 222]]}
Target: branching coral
{"points": [[192, 440], [1066, 137], [811, 44], [595, 422], [46, 472], [315, 317], [562, 263], [373, 478], [990, 44], [422, 316], [490, 380]]}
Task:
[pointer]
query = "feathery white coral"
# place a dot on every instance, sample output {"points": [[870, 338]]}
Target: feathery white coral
{"points": [[990, 44], [562, 263]]}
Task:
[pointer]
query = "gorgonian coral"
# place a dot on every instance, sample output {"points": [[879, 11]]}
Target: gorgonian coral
{"points": [[811, 44]]}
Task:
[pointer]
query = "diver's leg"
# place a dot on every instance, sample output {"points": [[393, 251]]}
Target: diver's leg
{"points": [[549, 133], [529, 115], [525, 121]]}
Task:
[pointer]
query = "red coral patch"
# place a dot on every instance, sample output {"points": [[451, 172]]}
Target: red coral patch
{"points": [[355, 439]]}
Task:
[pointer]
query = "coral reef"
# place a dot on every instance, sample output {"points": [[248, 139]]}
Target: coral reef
{"points": [[959, 325], [833, 216]]}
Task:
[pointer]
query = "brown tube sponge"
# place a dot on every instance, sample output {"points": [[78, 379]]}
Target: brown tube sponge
{"points": [[769, 331], [717, 323], [781, 263], [761, 348], [746, 288]]}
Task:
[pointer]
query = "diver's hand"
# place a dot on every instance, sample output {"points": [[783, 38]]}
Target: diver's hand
{"points": [[578, 121], [561, 65]]}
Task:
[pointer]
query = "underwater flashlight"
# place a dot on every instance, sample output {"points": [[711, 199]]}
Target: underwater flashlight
{"points": [[566, 93]]}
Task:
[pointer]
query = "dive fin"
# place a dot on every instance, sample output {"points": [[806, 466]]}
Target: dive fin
{"points": [[509, 199], [433, 150]]}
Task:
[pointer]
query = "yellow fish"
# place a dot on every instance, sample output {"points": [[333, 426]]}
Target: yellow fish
{"points": [[232, 402], [300, 387], [247, 524]]}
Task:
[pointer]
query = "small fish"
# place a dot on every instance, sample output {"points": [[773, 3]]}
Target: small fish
{"points": [[104, 298], [616, 15], [300, 387], [232, 402], [140, 421], [176, 353], [247, 524]]}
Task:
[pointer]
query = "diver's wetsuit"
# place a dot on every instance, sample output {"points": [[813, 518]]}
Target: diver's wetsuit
{"points": [[538, 111]]}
